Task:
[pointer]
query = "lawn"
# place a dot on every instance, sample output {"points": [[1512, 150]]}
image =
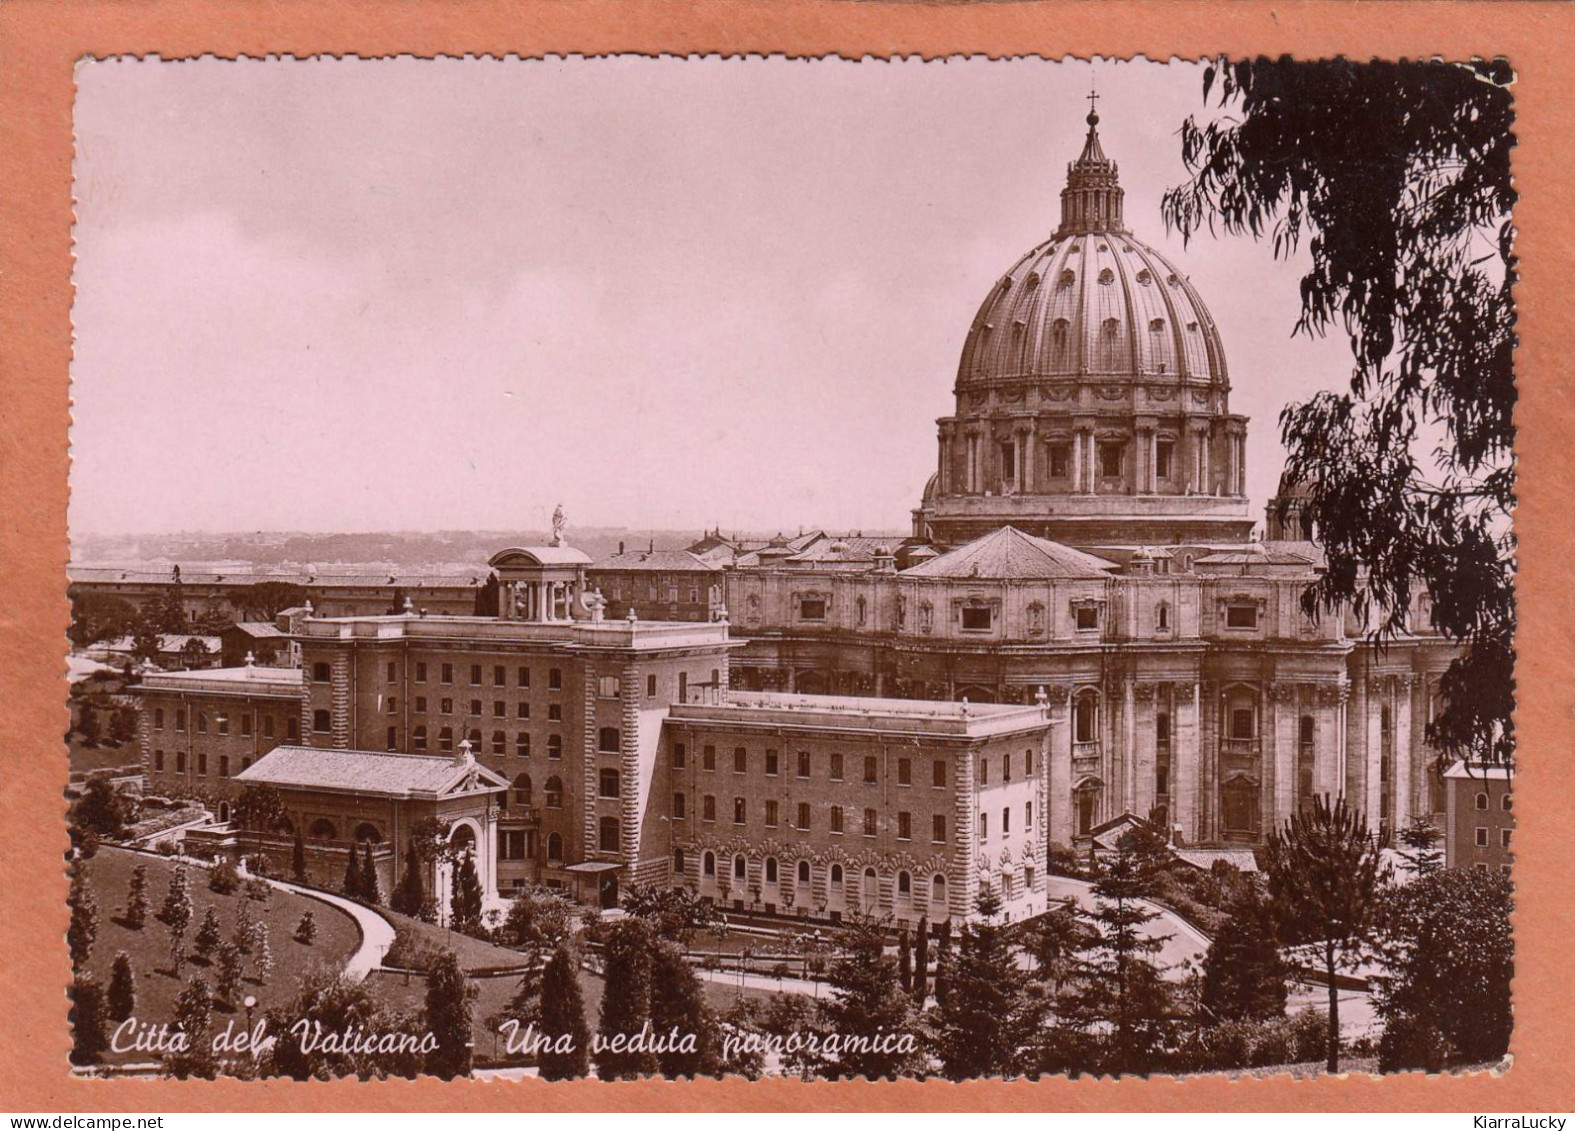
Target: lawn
{"points": [[109, 876]]}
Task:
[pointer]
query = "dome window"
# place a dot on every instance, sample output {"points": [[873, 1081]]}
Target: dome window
{"points": [[1033, 280], [1068, 278], [1104, 247], [1111, 327], [1107, 276], [1157, 325], [1172, 280], [1193, 326], [1144, 277]]}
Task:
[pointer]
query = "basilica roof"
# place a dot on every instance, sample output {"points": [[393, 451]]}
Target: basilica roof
{"points": [[1009, 554], [1092, 301]]}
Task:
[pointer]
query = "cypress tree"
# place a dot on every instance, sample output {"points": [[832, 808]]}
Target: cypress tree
{"points": [[466, 909], [88, 1040], [122, 997], [298, 859], [1243, 973], [905, 962], [626, 1004], [83, 931], [352, 880], [563, 1013], [411, 894], [176, 914], [449, 997], [371, 891], [137, 898], [678, 1006], [921, 961], [943, 956]]}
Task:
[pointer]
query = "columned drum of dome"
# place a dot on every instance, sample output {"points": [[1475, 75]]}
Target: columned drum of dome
{"points": [[1092, 395]]}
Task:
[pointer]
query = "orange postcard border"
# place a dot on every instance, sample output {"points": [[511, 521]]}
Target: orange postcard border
{"points": [[40, 40]]}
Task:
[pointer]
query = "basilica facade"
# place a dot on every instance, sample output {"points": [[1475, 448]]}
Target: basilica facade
{"points": [[1086, 536]]}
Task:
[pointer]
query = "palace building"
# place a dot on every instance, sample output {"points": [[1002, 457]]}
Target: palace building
{"points": [[1082, 629]]}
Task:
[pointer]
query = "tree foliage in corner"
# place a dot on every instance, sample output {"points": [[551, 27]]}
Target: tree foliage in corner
{"points": [[1397, 178]]}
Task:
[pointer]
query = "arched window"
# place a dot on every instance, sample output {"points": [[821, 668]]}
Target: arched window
{"points": [[863, 607], [1085, 717], [446, 738], [607, 740], [708, 864], [522, 790], [1162, 617], [904, 884], [475, 741], [803, 871], [836, 875], [324, 829], [740, 868], [1482, 801], [366, 831], [1507, 802], [1086, 801], [938, 888], [771, 869], [500, 743], [321, 722], [554, 847], [555, 792], [284, 827], [607, 834], [418, 738]]}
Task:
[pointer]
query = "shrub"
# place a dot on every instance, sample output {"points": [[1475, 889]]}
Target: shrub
{"points": [[223, 878], [306, 929]]}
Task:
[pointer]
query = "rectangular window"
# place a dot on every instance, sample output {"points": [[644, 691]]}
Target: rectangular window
{"points": [[984, 826], [1087, 618], [246, 724], [771, 763], [708, 758], [158, 761], [740, 811], [984, 771], [812, 608], [475, 675], [975, 619], [392, 739], [1028, 815], [871, 767], [1503, 837], [870, 820], [500, 675], [904, 771], [522, 711], [904, 826], [180, 719], [202, 763], [708, 808], [391, 706], [740, 760], [1241, 722], [1164, 452], [836, 819], [447, 673], [522, 677], [803, 763], [554, 679], [268, 726], [1482, 836], [224, 724], [836, 767], [421, 671], [554, 712], [158, 718], [475, 707], [650, 687], [771, 814], [500, 709], [180, 761], [1241, 616], [607, 686], [938, 774], [522, 744], [1110, 461], [393, 671], [1060, 461], [938, 829], [1006, 822], [224, 765], [293, 728], [803, 816], [683, 687], [607, 783], [1006, 767], [445, 706], [680, 755], [680, 801]]}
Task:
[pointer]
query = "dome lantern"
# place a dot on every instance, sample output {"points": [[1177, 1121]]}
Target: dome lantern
{"points": [[1092, 200]]}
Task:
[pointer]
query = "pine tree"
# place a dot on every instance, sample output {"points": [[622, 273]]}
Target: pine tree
{"points": [[1055, 940], [298, 859], [137, 898], [1325, 873], [306, 929], [1122, 996], [351, 884], [1243, 973], [88, 1040], [370, 889], [905, 962], [122, 997], [563, 1012], [209, 935], [83, 931], [1421, 838], [449, 997], [921, 962], [986, 1024], [467, 896], [176, 914], [866, 1002], [678, 1005], [626, 1003]]}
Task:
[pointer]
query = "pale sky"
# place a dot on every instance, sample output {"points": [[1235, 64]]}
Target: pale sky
{"points": [[396, 295]]}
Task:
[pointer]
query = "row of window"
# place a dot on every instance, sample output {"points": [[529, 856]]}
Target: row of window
{"points": [[835, 875], [500, 709], [1506, 802], [771, 816], [221, 723], [771, 765], [201, 763], [1482, 837], [322, 672]]}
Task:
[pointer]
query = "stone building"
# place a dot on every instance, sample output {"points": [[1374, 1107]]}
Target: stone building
{"points": [[673, 585], [1479, 817]]}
